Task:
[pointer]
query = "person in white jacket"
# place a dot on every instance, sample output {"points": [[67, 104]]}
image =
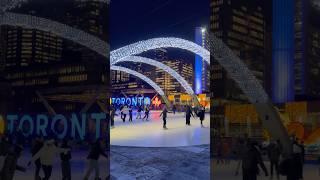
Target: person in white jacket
{"points": [[47, 154], [125, 111]]}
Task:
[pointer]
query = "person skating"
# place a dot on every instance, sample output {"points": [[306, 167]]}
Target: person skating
{"points": [[174, 109], [3, 152], [112, 115], [124, 111], [188, 115], [164, 117], [201, 115], [298, 156], [139, 112], [251, 159], [95, 151], [130, 114], [303, 153], [146, 113], [36, 146], [11, 162], [47, 154], [65, 161], [274, 153]]}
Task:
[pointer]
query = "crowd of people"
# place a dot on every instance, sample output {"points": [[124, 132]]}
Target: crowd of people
{"points": [[127, 111], [251, 157], [44, 152]]}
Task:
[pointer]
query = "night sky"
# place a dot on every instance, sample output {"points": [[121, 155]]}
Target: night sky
{"points": [[135, 20]]}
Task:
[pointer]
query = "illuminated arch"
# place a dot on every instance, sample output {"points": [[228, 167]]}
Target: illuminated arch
{"points": [[162, 66], [144, 78], [142, 46], [251, 87], [62, 30], [11, 4]]}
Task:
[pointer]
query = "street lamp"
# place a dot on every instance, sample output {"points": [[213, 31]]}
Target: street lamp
{"points": [[203, 30]]}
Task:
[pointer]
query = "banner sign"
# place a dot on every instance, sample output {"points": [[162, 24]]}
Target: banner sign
{"points": [[74, 125], [131, 101]]}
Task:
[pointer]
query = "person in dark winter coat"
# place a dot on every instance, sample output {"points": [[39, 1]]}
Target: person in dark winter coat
{"points": [[188, 115], [251, 159], [146, 113], [130, 114], [93, 157], [164, 117], [3, 152], [112, 115], [65, 161], [201, 114], [174, 109], [274, 153], [10, 166]]}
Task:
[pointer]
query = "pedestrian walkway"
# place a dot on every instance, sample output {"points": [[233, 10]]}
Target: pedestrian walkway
{"points": [[181, 163]]}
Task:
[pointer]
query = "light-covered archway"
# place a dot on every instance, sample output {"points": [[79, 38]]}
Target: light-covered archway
{"points": [[169, 42], [59, 29], [145, 79], [167, 69], [251, 87]]}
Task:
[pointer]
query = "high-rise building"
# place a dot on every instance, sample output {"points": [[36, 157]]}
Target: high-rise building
{"points": [[307, 49], [283, 51], [168, 83], [296, 50], [242, 26], [201, 68], [40, 65]]}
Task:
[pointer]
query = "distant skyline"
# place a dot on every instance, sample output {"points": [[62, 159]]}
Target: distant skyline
{"points": [[132, 21]]}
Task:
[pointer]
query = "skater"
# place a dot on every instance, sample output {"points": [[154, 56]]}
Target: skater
{"points": [[201, 115], [139, 112], [298, 156], [130, 114], [10, 165], [65, 161], [303, 153], [124, 111], [164, 117], [146, 113], [188, 115], [46, 155], [3, 152], [37, 145], [112, 115], [250, 160], [174, 109], [93, 157], [274, 153]]}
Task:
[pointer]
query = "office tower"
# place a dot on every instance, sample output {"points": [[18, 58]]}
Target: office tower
{"points": [[306, 50], [242, 26], [42, 67]]}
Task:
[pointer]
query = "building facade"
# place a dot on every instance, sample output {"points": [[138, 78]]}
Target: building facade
{"points": [[307, 50], [44, 68], [242, 26]]}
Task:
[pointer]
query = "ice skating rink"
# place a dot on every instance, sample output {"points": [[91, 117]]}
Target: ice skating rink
{"points": [[151, 133]]}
